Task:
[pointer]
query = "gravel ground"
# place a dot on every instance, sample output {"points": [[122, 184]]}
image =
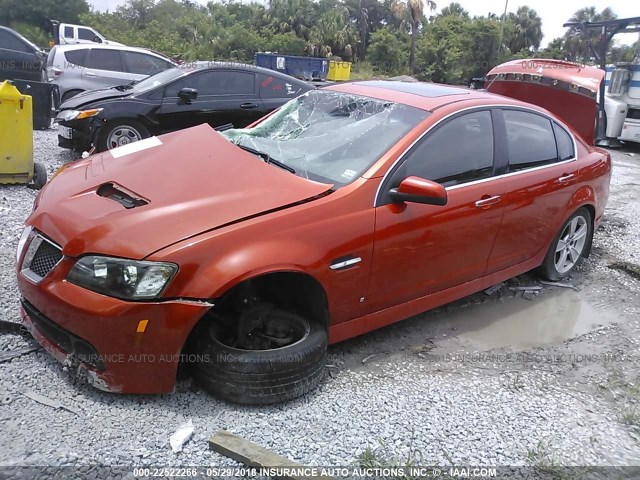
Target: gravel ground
{"points": [[422, 388]]}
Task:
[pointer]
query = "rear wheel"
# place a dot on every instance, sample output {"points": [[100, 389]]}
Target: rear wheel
{"points": [[272, 356], [569, 247]]}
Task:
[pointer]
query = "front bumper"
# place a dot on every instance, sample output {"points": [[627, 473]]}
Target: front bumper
{"points": [[99, 337], [81, 136]]}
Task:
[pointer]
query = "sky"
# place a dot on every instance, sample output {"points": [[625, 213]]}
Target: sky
{"points": [[553, 12]]}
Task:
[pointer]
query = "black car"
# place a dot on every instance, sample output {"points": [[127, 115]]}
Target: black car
{"points": [[216, 93], [19, 58]]}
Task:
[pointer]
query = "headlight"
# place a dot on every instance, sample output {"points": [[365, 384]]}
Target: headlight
{"points": [[122, 278], [66, 115]]}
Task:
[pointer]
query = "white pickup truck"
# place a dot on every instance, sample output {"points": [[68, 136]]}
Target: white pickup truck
{"points": [[622, 101], [67, 33]]}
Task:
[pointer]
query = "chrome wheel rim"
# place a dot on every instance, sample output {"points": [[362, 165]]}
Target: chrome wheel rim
{"points": [[571, 244], [123, 135]]}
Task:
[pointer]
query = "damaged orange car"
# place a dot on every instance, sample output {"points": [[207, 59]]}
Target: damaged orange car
{"points": [[240, 255]]}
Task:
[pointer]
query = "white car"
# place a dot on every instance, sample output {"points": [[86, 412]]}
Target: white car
{"points": [[80, 67], [69, 34]]}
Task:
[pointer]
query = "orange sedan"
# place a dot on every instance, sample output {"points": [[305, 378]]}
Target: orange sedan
{"points": [[241, 255]]}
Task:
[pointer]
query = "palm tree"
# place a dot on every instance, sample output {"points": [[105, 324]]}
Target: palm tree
{"points": [[414, 10], [576, 45], [526, 30], [454, 9]]}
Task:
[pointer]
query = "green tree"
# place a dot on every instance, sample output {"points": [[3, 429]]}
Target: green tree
{"points": [[523, 30], [413, 11], [39, 13], [455, 9], [387, 53]]}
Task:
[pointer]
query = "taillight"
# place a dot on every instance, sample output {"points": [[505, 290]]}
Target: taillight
{"points": [[54, 72]]}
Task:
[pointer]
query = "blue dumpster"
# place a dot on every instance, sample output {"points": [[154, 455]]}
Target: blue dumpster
{"points": [[307, 68]]}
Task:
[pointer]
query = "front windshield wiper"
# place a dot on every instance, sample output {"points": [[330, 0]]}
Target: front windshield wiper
{"points": [[128, 86], [266, 157]]}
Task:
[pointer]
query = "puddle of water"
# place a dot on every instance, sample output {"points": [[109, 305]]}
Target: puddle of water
{"points": [[552, 317]]}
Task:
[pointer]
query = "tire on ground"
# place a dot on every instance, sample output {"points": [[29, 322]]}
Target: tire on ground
{"points": [[548, 268], [259, 377], [39, 175]]}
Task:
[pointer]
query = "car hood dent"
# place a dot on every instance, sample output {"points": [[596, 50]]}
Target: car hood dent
{"points": [[194, 180], [92, 96]]}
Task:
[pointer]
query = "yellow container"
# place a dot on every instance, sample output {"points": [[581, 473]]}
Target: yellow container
{"points": [[339, 71], [16, 136]]}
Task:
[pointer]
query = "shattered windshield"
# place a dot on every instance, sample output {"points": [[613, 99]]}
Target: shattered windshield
{"points": [[329, 136]]}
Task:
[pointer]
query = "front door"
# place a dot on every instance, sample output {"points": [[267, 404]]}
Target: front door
{"points": [[421, 249], [224, 96]]}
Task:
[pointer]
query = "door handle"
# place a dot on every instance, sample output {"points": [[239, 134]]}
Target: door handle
{"points": [[486, 202], [248, 105], [89, 74], [566, 177]]}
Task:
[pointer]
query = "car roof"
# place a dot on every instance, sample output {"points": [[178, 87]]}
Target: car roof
{"points": [[191, 67], [82, 46], [423, 95]]}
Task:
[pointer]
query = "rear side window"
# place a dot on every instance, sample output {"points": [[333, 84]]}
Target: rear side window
{"points": [[276, 87], [215, 83], [68, 32], [457, 152], [143, 64], [11, 42], [565, 143], [76, 57], [530, 140], [103, 59]]}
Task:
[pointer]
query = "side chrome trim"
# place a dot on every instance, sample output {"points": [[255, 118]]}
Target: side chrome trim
{"points": [[482, 107], [345, 263]]}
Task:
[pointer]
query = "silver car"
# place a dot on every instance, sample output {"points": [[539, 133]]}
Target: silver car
{"points": [[80, 67]]}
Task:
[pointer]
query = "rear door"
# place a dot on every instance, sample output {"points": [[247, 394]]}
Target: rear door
{"points": [[224, 96], [541, 178], [104, 68], [422, 249]]}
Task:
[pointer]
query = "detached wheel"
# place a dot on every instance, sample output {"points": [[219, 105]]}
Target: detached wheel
{"points": [[569, 247], [39, 176], [274, 356], [119, 133]]}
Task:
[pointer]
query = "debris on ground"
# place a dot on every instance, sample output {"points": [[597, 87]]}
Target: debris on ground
{"points": [[181, 436], [491, 290], [558, 284], [15, 328], [369, 357], [529, 294], [6, 356], [253, 455], [36, 397], [627, 267], [404, 78], [531, 288]]}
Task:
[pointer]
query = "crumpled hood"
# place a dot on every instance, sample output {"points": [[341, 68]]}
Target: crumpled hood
{"points": [[92, 96], [176, 186]]}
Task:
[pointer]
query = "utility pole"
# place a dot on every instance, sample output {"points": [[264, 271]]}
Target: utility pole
{"points": [[504, 19]]}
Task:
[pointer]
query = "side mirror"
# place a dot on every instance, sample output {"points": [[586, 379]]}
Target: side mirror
{"points": [[186, 95], [419, 190], [97, 39]]}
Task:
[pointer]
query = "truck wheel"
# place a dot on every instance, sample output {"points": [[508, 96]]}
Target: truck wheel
{"points": [[279, 356], [569, 247], [119, 133], [39, 176]]}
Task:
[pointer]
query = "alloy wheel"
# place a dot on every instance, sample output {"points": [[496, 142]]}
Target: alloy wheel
{"points": [[571, 244]]}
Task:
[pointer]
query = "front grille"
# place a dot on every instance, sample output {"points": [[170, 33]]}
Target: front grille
{"points": [[41, 257], [67, 341], [47, 256]]}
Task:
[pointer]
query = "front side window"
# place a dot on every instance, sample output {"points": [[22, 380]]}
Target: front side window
{"points": [[530, 140], [215, 83], [329, 136], [86, 34], [457, 152]]}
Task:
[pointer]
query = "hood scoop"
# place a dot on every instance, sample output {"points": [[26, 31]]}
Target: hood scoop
{"points": [[121, 195]]}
